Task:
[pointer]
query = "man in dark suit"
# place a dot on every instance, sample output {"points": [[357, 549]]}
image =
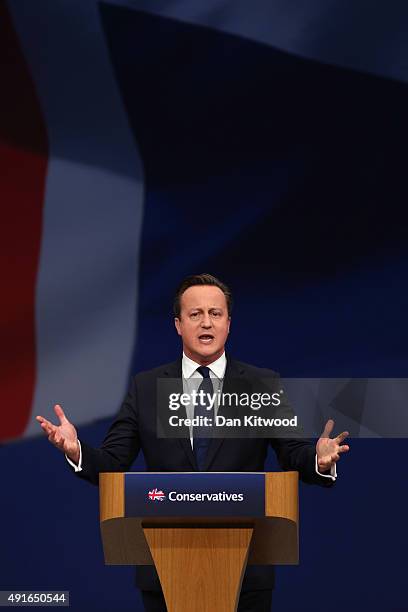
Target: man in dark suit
{"points": [[202, 310]]}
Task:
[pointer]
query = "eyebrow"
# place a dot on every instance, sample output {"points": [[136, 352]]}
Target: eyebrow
{"points": [[201, 309]]}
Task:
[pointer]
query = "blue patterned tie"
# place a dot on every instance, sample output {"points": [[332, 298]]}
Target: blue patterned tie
{"points": [[200, 443]]}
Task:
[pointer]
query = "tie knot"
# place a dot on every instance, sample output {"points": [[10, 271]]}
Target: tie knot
{"points": [[204, 371]]}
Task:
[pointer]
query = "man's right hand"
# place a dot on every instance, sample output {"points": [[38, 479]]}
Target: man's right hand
{"points": [[63, 436]]}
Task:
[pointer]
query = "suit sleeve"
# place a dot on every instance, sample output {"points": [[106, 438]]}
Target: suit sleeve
{"points": [[297, 453], [300, 455], [121, 445]]}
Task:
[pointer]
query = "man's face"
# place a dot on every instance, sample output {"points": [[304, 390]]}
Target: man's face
{"points": [[204, 323]]}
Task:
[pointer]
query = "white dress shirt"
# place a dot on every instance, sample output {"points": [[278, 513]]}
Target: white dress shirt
{"points": [[193, 379]]}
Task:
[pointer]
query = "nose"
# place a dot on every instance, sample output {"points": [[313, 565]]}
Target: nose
{"points": [[206, 321]]}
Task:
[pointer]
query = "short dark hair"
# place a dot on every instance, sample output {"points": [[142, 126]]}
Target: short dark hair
{"points": [[200, 279]]}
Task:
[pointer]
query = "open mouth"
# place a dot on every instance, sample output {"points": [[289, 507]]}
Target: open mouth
{"points": [[206, 338]]}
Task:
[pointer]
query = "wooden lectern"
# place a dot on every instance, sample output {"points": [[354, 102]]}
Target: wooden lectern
{"points": [[200, 560]]}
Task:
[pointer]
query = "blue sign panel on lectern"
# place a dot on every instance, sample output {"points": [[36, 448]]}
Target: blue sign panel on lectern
{"points": [[195, 494]]}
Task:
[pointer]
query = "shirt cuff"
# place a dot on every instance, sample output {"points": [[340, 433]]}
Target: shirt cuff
{"points": [[333, 471], [77, 468]]}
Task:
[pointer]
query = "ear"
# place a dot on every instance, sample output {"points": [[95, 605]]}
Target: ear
{"points": [[229, 324], [177, 325]]}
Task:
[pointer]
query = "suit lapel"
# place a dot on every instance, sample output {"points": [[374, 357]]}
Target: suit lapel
{"points": [[234, 374], [174, 370]]}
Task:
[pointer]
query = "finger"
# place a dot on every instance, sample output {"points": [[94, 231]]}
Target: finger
{"points": [[56, 439], [343, 449], [48, 427], [45, 428], [59, 441], [52, 433], [342, 436], [328, 429], [43, 421], [335, 457], [51, 426], [43, 425], [60, 413]]}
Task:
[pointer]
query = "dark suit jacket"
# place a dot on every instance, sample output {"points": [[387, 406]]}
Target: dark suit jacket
{"points": [[134, 429]]}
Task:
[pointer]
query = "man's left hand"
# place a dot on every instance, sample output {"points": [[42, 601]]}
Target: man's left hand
{"points": [[329, 449]]}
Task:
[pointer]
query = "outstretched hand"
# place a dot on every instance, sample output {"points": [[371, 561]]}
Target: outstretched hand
{"points": [[63, 436], [329, 449]]}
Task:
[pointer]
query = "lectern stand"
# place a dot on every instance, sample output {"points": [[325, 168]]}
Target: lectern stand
{"points": [[199, 529]]}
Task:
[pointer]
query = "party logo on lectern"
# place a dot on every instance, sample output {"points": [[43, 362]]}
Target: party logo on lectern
{"points": [[156, 495], [195, 494]]}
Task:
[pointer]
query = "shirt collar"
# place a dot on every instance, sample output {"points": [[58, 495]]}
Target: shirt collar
{"points": [[217, 367]]}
